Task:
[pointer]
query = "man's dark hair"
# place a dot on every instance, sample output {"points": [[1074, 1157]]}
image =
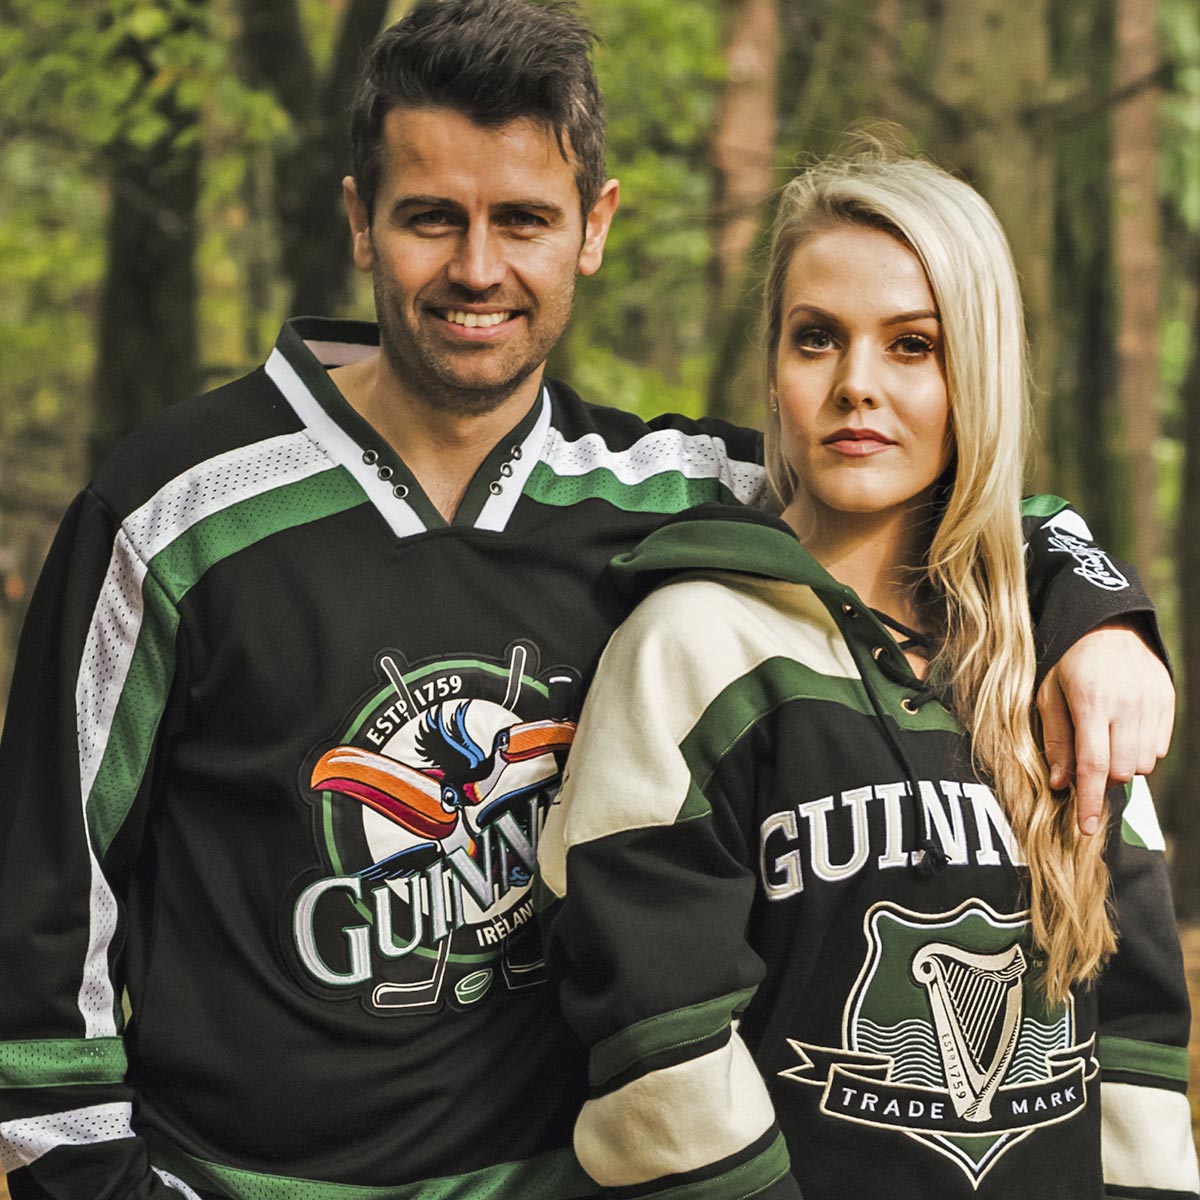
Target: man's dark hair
{"points": [[494, 61]]}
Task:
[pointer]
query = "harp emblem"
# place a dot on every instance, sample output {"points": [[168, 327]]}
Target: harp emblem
{"points": [[976, 1002], [947, 1039]]}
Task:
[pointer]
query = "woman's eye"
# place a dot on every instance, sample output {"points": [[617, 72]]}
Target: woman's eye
{"points": [[913, 345], [813, 339]]}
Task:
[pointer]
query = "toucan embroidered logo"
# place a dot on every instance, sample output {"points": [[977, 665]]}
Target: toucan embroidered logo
{"points": [[947, 1039], [429, 806]]}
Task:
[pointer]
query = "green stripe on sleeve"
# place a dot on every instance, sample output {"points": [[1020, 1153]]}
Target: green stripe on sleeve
{"points": [[1042, 506], [135, 721], [744, 1181], [232, 529], [1130, 836], [1144, 1058], [58, 1062], [172, 573], [695, 805], [666, 492], [554, 1175], [664, 1031]]}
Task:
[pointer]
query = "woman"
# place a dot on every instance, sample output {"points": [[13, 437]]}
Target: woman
{"points": [[825, 929]]}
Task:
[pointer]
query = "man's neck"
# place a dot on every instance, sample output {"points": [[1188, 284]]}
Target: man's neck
{"points": [[442, 448]]}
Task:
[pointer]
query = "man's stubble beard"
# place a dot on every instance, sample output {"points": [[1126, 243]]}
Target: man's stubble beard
{"points": [[425, 373]]}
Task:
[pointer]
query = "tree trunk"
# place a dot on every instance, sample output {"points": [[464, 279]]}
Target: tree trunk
{"points": [[146, 353], [743, 146], [1137, 271], [314, 238], [1187, 829], [887, 26], [1081, 439], [991, 72], [743, 151]]}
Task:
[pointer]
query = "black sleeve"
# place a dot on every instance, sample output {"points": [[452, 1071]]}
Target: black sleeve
{"points": [[1074, 585], [72, 797], [647, 900]]}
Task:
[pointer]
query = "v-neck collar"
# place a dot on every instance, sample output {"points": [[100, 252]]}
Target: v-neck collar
{"points": [[299, 367]]}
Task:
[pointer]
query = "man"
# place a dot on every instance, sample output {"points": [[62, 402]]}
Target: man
{"points": [[299, 678]]}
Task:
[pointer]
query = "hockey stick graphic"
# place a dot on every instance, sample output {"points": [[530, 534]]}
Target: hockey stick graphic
{"points": [[422, 994], [392, 671], [516, 667]]}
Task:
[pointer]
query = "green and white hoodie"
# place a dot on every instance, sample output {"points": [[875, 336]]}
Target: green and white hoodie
{"points": [[791, 918]]}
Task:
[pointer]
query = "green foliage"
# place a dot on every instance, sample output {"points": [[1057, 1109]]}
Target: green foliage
{"points": [[52, 251], [83, 82], [1180, 157], [638, 330], [604, 377]]}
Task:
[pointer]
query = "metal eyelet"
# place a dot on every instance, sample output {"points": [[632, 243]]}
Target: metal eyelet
{"points": [[515, 452], [849, 609], [495, 488], [385, 473], [876, 652], [400, 491], [909, 706], [506, 470], [370, 457]]}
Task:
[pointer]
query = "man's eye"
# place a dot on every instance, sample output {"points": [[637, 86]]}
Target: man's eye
{"points": [[520, 219], [431, 218]]}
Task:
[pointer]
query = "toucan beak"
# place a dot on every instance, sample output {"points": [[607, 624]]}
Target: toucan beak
{"points": [[535, 738], [397, 791]]}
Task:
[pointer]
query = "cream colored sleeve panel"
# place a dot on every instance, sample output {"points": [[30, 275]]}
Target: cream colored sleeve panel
{"points": [[1146, 1138], [677, 1119], [663, 668]]}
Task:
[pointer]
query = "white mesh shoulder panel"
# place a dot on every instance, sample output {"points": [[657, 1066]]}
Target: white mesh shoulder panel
{"points": [[693, 455], [207, 488]]}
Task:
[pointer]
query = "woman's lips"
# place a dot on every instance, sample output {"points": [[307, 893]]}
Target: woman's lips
{"points": [[857, 443]]}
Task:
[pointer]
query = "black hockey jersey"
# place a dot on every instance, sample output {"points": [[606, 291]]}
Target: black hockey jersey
{"points": [[277, 755], [781, 992]]}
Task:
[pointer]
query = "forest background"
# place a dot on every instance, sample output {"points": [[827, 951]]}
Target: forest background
{"points": [[169, 192]]}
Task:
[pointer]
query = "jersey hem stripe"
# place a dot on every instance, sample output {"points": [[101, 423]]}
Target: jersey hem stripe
{"points": [[554, 1174]]}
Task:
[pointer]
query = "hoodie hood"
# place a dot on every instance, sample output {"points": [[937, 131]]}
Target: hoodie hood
{"points": [[717, 538]]}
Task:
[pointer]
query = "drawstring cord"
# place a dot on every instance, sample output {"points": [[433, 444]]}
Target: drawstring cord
{"points": [[928, 858]]}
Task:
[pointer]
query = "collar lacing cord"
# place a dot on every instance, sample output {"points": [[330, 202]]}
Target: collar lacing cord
{"points": [[928, 858]]}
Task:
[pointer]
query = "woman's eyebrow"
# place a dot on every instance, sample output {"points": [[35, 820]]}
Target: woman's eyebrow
{"points": [[923, 314]]}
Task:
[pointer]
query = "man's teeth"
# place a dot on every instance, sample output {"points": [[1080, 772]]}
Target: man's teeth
{"points": [[475, 320]]}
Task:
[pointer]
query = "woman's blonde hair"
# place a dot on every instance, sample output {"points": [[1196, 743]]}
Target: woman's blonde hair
{"points": [[973, 579]]}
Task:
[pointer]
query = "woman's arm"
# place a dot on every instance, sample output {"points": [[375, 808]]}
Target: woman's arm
{"points": [[651, 896]]}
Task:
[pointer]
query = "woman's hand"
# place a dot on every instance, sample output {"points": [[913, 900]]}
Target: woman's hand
{"points": [[1107, 707]]}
